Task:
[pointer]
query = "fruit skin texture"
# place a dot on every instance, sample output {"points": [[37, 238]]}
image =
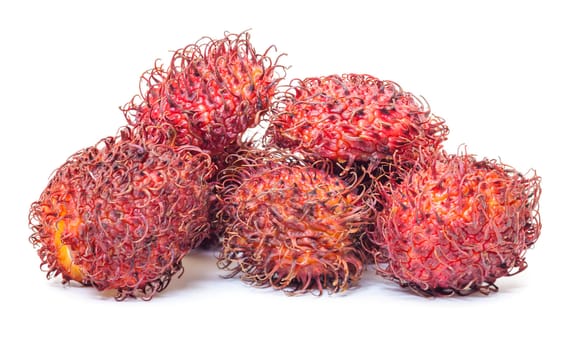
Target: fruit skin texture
{"points": [[291, 226], [354, 117], [211, 92], [457, 224], [121, 215]]}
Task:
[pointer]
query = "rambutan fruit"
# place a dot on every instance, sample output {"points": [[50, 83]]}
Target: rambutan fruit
{"points": [[291, 226], [354, 118], [456, 224], [209, 95], [121, 215]]}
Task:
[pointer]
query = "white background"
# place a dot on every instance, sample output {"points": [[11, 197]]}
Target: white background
{"points": [[500, 73]]}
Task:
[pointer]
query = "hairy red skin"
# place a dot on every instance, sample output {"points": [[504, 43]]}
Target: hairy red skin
{"points": [[457, 224], [121, 215], [209, 95], [291, 226], [354, 117]]}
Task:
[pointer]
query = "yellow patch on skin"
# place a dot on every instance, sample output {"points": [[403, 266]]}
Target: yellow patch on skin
{"points": [[63, 252]]}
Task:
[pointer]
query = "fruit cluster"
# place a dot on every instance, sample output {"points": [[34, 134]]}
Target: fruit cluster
{"points": [[350, 172]]}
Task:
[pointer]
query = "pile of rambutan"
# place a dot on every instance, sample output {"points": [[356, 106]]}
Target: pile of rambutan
{"points": [[350, 172]]}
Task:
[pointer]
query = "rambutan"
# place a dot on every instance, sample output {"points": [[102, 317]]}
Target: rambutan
{"points": [[354, 118], [209, 95], [122, 215], [291, 226], [456, 224]]}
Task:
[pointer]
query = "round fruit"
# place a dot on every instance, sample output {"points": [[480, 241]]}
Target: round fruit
{"points": [[291, 226], [354, 117], [121, 216], [211, 92], [457, 224]]}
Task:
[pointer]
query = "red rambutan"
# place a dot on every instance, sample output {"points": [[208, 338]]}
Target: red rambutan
{"points": [[122, 215], [354, 117], [211, 92], [291, 226], [456, 224]]}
